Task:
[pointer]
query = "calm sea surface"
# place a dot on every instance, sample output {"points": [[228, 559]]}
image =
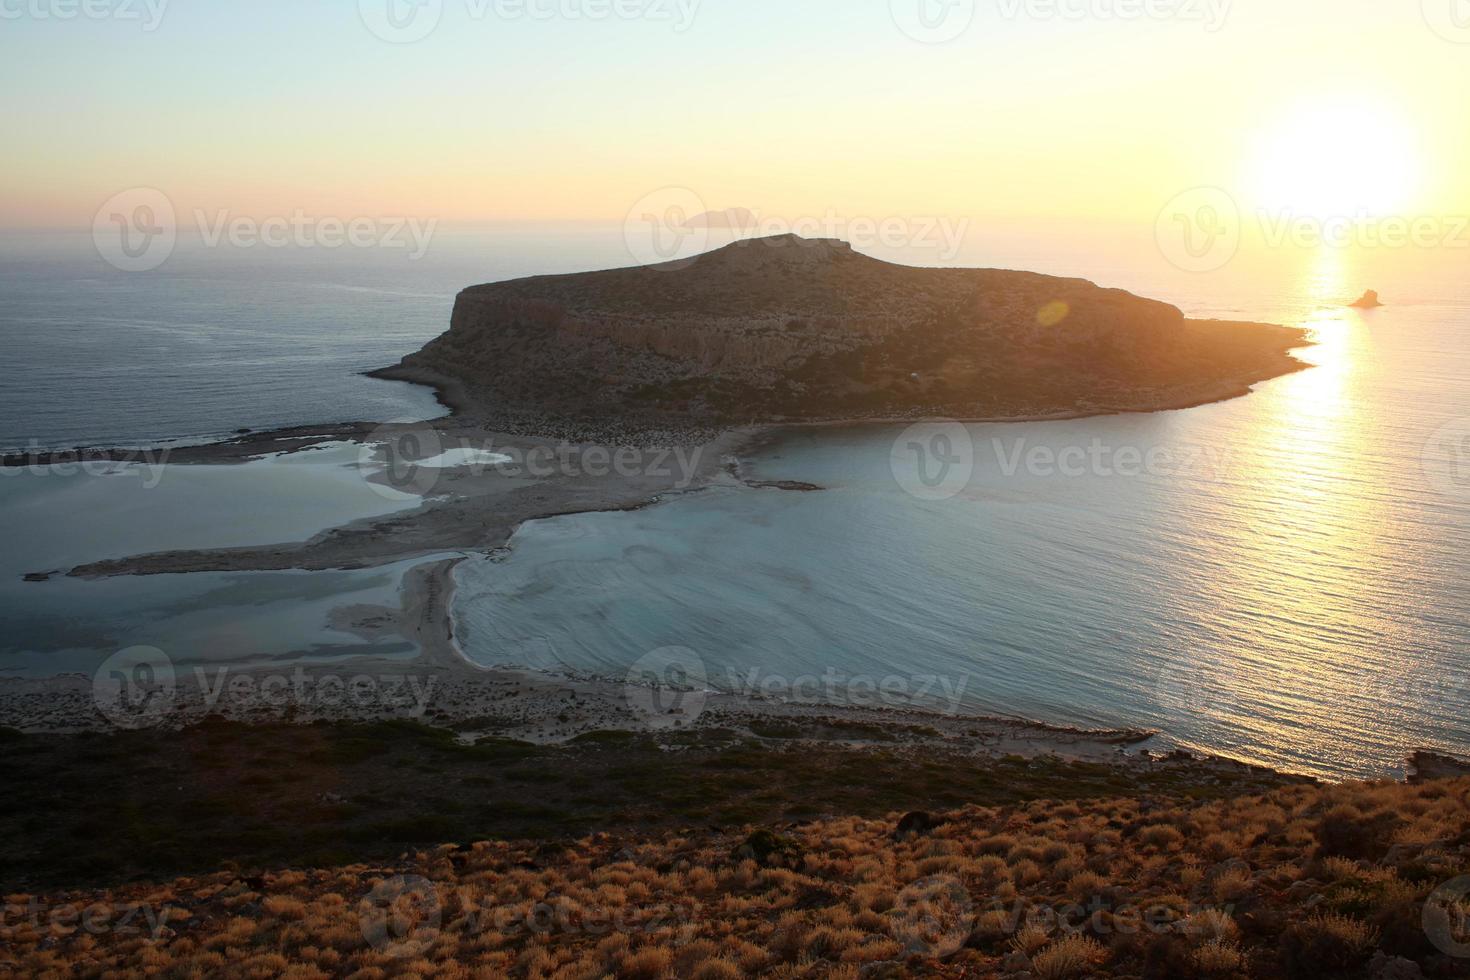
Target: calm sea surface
{"points": [[1281, 577]]}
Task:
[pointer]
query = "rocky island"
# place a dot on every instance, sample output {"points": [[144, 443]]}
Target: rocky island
{"points": [[788, 329], [706, 355]]}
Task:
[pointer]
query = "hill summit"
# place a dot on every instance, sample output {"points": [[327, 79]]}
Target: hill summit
{"points": [[794, 329]]}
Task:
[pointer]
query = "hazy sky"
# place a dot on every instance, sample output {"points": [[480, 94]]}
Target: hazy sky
{"points": [[788, 107]]}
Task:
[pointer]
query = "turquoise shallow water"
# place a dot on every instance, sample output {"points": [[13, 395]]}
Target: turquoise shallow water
{"points": [[53, 521], [1280, 577]]}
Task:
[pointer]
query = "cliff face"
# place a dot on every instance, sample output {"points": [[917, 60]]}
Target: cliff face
{"points": [[790, 328]]}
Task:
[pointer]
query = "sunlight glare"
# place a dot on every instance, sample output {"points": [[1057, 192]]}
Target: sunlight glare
{"points": [[1337, 159]]}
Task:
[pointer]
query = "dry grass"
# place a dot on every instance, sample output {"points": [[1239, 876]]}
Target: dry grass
{"points": [[1330, 876]]}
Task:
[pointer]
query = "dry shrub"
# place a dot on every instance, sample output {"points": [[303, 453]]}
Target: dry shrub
{"points": [[1030, 938], [1232, 884], [1326, 945], [649, 963], [1069, 957], [1217, 957], [717, 969], [1212, 924], [1161, 836]]}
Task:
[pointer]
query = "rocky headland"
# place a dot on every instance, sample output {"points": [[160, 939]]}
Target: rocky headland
{"points": [[787, 329]]}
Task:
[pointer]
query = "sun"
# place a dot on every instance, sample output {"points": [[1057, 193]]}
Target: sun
{"points": [[1338, 158]]}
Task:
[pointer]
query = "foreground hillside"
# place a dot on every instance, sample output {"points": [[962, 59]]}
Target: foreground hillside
{"points": [[1304, 881], [795, 329]]}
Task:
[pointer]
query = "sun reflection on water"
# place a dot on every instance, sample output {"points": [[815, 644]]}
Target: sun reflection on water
{"points": [[1292, 534]]}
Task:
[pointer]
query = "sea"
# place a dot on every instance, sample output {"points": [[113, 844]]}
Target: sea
{"points": [[1281, 578]]}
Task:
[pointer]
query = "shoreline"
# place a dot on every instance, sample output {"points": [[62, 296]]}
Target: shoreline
{"points": [[464, 414], [481, 516]]}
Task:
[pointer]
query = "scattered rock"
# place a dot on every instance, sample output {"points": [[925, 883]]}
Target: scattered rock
{"points": [[915, 824], [1385, 967], [1016, 962], [768, 850], [1425, 766]]}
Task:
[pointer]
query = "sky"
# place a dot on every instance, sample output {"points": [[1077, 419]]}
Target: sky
{"points": [[811, 108]]}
